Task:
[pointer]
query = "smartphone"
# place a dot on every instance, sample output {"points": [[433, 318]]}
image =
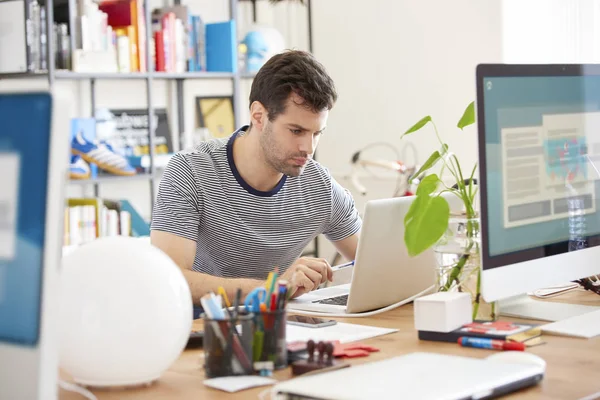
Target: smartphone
{"points": [[310, 322]]}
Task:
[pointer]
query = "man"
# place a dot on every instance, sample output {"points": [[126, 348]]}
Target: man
{"points": [[231, 210]]}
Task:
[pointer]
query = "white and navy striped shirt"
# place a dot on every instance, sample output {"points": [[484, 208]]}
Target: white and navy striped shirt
{"points": [[240, 231]]}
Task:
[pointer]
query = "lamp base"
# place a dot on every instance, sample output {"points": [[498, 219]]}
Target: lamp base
{"points": [[117, 384]]}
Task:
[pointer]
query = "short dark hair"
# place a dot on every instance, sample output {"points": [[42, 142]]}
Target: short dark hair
{"points": [[293, 71]]}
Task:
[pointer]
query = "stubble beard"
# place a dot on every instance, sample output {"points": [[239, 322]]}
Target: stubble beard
{"points": [[271, 152]]}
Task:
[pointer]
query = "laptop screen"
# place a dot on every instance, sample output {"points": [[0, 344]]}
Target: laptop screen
{"points": [[25, 125]]}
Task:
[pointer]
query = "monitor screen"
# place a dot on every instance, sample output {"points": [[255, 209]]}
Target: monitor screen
{"points": [[25, 125], [541, 163]]}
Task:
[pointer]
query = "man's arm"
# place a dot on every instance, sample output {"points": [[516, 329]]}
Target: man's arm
{"points": [[343, 227], [347, 247], [183, 252]]}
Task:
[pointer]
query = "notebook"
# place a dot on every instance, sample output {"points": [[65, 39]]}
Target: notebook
{"points": [[411, 376]]}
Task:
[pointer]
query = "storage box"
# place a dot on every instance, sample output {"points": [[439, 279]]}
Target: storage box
{"points": [[443, 311]]}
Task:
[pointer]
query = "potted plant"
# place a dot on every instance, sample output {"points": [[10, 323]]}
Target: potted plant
{"points": [[453, 234]]}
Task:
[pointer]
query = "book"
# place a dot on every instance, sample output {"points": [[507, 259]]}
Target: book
{"points": [[501, 330]]}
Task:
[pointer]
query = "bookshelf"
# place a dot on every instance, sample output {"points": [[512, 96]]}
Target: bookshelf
{"points": [[52, 74]]}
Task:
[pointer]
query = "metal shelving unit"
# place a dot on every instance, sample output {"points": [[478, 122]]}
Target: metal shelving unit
{"points": [[52, 75]]}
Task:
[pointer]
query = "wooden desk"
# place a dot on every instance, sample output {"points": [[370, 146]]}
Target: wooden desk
{"points": [[573, 369]]}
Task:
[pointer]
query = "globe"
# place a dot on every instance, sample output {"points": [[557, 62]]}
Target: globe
{"points": [[125, 312]]}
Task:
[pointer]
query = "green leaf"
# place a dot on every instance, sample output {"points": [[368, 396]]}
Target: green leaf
{"points": [[417, 126], [414, 208], [468, 116], [428, 185], [431, 161], [427, 224]]}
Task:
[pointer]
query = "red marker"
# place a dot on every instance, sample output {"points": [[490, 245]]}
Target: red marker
{"points": [[485, 343]]}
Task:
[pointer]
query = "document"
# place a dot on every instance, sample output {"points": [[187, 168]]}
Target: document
{"points": [[343, 332], [549, 169], [9, 184], [233, 384]]}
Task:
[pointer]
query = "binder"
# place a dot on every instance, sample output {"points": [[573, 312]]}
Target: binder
{"points": [[221, 47]]}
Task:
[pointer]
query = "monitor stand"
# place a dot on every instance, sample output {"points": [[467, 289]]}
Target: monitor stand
{"points": [[525, 307]]}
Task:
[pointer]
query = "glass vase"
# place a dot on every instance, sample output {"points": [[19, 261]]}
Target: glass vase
{"points": [[459, 264]]}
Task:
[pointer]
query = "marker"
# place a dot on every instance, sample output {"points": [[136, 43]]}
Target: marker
{"points": [[486, 343]]}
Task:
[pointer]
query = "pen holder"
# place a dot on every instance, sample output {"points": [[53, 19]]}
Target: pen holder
{"points": [[269, 342], [227, 347]]}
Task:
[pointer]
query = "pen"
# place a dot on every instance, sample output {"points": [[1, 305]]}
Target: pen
{"points": [[273, 276], [486, 343], [342, 266], [223, 294]]}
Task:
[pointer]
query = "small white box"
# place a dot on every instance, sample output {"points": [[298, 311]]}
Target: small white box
{"points": [[443, 311]]}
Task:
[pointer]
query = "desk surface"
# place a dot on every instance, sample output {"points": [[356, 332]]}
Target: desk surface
{"points": [[573, 365]]}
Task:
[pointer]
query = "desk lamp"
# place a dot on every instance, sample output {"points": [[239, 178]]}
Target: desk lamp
{"points": [[125, 313]]}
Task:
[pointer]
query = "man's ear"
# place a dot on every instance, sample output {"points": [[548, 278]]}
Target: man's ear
{"points": [[258, 114]]}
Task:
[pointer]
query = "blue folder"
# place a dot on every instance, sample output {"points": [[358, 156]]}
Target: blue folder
{"points": [[221, 47]]}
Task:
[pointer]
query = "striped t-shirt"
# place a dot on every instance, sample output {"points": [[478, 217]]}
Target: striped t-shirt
{"points": [[240, 231]]}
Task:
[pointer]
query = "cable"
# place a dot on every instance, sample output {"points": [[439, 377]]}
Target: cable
{"points": [[365, 314], [555, 291], [71, 387]]}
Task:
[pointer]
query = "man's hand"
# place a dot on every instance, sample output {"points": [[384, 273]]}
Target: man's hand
{"points": [[307, 274]]}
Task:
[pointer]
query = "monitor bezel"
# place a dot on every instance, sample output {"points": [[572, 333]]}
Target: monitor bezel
{"points": [[485, 71], [35, 367]]}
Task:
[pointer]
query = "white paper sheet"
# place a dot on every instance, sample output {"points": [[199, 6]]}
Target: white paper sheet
{"points": [[341, 331], [583, 326], [236, 383], [9, 179]]}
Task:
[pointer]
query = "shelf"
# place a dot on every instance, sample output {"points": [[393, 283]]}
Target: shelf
{"points": [[99, 75], [71, 75], [112, 179], [23, 75], [192, 75]]}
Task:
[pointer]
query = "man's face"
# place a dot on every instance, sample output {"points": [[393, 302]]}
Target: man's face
{"points": [[291, 139]]}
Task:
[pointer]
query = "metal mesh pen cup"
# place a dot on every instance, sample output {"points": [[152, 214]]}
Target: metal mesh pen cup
{"points": [[269, 341], [228, 345]]}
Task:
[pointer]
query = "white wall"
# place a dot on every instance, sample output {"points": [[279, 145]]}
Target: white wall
{"points": [[394, 62], [551, 31]]}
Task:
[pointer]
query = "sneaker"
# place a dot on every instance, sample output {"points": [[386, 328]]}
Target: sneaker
{"points": [[78, 168], [102, 155]]}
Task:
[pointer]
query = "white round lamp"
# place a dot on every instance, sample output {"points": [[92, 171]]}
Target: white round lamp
{"points": [[125, 313]]}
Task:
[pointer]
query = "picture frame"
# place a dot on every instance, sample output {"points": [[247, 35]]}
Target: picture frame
{"points": [[215, 113]]}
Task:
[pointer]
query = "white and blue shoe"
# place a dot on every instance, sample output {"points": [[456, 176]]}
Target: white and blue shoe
{"points": [[102, 155], [78, 168]]}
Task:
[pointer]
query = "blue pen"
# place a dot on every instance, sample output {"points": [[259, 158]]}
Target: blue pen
{"points": [[487, 343], [342, 266]]}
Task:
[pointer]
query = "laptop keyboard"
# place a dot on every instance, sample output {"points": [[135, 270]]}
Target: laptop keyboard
{"points": [[338, 300]]}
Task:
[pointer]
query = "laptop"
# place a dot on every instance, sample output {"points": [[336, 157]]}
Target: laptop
{"points": [[424, 376], [384, 273]]}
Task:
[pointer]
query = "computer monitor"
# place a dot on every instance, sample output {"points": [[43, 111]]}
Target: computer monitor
{"points": [[539, 159], [34, 143]]}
